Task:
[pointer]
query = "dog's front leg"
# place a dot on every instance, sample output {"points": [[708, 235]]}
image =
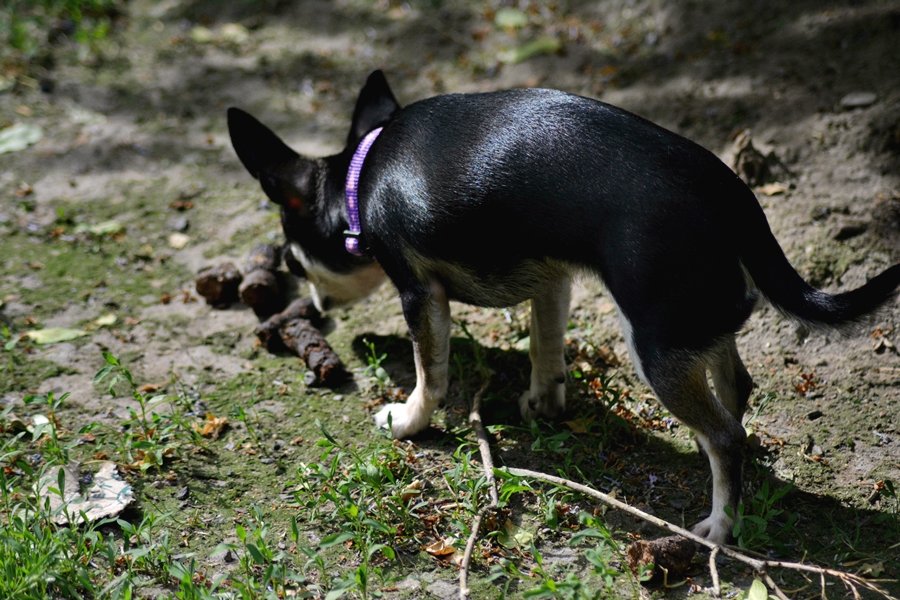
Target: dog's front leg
{"points": [[427, 314], [549, 313]]}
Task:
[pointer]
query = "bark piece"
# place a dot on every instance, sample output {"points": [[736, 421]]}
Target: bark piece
{"points": [[670, 556], [269, 332], [301, 337], [263, 256], [261, 288], [261, 291], [218, 284]]}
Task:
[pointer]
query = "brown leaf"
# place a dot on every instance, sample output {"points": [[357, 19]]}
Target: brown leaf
{"points": [[413, 490], [441, 548], [212, 427]]}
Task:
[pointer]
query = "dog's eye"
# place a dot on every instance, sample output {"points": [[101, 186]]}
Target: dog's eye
{"points": [[295, 203]]}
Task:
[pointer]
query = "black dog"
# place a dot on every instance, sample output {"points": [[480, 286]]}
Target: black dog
{"points": [[498, 198]]}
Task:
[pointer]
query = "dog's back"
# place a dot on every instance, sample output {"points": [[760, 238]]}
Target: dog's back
{"points": [[501, 191]]}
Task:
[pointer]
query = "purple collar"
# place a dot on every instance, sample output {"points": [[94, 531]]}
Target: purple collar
{"points": [[351, 190]]}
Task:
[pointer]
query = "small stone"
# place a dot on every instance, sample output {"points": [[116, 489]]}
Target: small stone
{"points": [[178, 241], [179, 223], [183, 493], [816, 414], [820, 213], [858, 100]]}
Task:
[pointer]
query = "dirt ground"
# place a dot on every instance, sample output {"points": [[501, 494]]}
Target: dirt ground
{"points": [[137, 132]]}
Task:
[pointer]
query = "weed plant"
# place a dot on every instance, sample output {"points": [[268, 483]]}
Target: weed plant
{"points": [[27, 26]]}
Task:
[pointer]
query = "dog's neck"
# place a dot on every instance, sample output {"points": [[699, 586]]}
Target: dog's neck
{"points": [[351, 193]]}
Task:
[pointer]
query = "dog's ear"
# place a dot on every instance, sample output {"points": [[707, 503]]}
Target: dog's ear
{"points": [[374, 106], [286, 177], [256, 145]]}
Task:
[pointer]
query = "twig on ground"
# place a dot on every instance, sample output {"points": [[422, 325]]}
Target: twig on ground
{"points": [[758, 565], [774, 586], [716, 590], [487, 461]]}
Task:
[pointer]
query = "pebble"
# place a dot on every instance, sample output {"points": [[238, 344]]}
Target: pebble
{"points": [[182, 494], [858, 100], [179, 223]]}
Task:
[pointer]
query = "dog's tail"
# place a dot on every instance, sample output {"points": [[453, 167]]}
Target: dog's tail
{"points": [[774, 276]]}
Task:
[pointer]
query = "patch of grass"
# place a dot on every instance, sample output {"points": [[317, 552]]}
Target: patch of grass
{"points": [[373, 365], [762, 522], [29, 26], [359, 514], [149, 438], [97, 261], [24, 373]]}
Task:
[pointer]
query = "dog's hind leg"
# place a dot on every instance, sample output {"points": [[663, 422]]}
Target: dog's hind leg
{"points": [[427, 313], [679, 380], [732, 381], [546, 396]]}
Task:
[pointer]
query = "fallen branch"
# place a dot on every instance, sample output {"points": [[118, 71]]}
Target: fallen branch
{"points": [[260, 289], [487, 462], [759, 565], [219, 284], [268, 331], [303, 339]]}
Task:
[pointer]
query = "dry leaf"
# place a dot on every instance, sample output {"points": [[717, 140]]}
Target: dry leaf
{"points": [[513, 536], [19, 136], [411, 491], [772, 189], [107, 497], [441, 548], [212, 427], [13, 424], [106, 320], [54, 335], [110, 228]]}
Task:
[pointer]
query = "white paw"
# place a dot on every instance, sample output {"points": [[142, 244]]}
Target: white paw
{"points": [[550, 402], [401, 422], [715, 529]]}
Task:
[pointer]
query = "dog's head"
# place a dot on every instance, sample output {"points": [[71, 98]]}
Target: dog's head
{"points": [[310, 194]]}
